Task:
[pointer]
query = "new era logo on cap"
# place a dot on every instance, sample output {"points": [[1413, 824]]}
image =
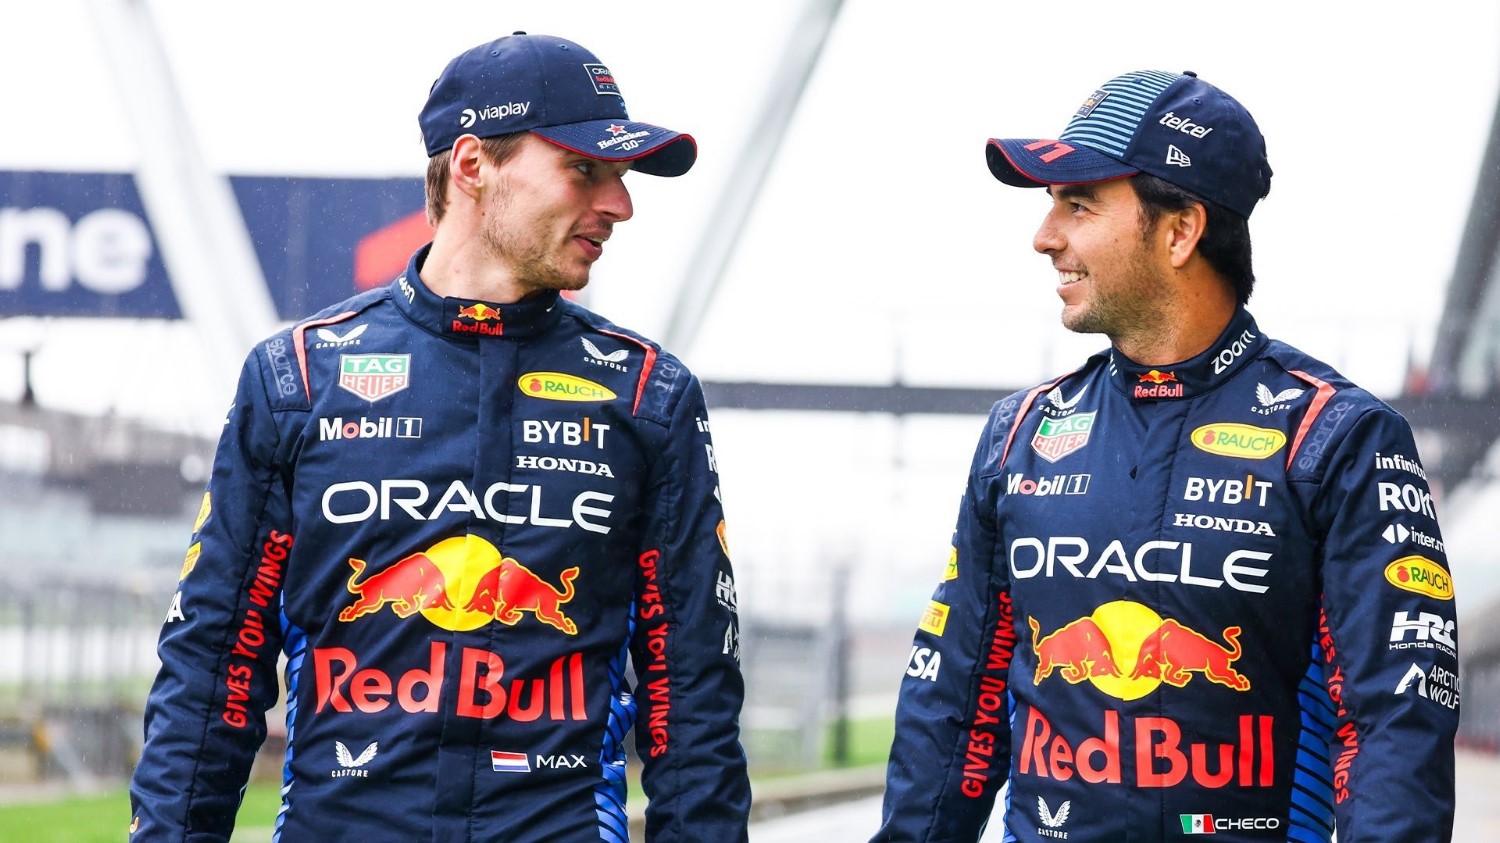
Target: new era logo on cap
{"points": [[1177, 157]]}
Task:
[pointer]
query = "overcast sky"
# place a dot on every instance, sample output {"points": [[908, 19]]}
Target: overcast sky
{"points": [[881, 246]]}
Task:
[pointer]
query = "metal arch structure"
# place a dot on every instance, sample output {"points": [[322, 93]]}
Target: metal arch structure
{"points": [[1466, 353], [705, 270], [204, 242]]}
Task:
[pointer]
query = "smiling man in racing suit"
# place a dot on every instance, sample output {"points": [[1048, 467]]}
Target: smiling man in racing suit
{"points": [[1197, 585], [459, 504]]}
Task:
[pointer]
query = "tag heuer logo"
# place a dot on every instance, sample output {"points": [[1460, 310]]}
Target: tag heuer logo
{"points": [[374, 376], [1056, 438]]}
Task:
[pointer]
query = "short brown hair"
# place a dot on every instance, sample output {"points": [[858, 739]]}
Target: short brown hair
{"points": [[497, 149]]}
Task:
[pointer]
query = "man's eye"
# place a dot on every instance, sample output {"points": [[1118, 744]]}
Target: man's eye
{"points": [[585, 167]]}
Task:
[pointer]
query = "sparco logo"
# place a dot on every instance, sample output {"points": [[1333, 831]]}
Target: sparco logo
{"points": [[1317, 443], [281, 365], [1231, 352]]}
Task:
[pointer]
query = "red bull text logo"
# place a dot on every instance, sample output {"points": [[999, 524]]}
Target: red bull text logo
{"points": [[479, 315], [1160, 759], [483, 692], [1160, 388], [460, 584], [1126, 651]]}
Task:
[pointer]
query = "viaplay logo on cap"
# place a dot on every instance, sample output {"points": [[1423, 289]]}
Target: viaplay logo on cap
{"points": [[469, 116], [604, 81]]}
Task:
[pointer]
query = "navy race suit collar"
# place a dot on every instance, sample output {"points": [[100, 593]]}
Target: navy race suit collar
{"points": [[1240, 342], [455, 317]]}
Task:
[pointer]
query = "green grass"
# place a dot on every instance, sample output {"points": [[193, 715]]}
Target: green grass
{"points": [[104, 818]]}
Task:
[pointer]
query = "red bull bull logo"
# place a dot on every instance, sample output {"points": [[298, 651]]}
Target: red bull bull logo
{"points": [[459, 584], [479, 312], [478, 318], [1157, 377], [1123, 632]]}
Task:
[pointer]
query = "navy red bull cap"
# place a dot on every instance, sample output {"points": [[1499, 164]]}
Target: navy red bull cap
{"points": [[1173, 126], [552, 88]]}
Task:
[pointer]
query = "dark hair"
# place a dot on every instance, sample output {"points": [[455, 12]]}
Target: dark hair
{"points": [[497, 149], [1226, 235]]}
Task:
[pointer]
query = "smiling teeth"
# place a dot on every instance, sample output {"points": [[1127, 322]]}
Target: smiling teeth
{"points": [[1070, 277]]}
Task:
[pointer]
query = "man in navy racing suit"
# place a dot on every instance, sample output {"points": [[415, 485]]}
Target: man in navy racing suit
{"points": [[459, 505], [1197, 585]]}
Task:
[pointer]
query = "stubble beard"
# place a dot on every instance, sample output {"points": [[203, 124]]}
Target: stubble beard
{"points": [[525, 251], [1130, 308]]}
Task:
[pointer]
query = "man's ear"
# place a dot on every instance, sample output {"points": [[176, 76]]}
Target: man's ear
{"points": [[464, 166], [1182, 230]]}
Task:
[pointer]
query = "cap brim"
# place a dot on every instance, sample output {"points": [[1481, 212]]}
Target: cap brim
{"points": [[655, 151], [1034, 162]]}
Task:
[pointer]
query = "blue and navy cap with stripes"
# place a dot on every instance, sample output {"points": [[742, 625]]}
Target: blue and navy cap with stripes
{"points": [[1174, 126], [552, 88]]}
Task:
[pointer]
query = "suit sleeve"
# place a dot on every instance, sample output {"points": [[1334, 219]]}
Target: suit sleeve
{"points": [[1389, 639], [951, 751], [685, 644], [205, 715]]}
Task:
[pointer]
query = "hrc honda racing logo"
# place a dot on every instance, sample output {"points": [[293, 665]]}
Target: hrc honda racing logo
{"points": [[458, 584]]}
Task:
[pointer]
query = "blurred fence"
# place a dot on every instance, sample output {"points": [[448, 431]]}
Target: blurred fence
{"points": [[76, 656]]}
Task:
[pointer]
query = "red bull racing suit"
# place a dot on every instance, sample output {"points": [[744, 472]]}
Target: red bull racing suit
{"points": [[458, 521], [1208, 598]]}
